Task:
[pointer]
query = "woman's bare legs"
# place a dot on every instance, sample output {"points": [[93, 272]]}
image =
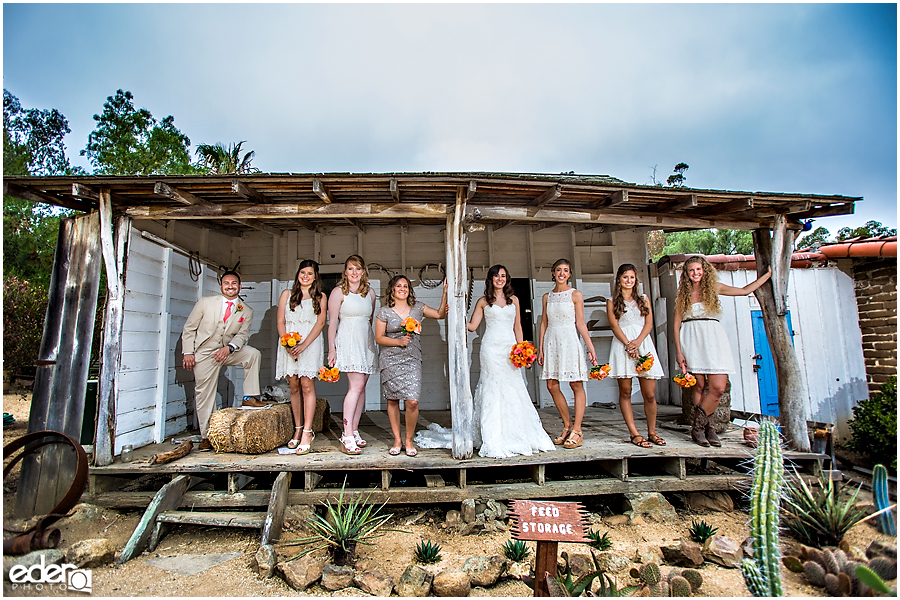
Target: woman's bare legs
{"points": [[412, 417], [563, 407], [296, 404], [354, 402], [393, 410], [625, 406], [308, 389], [648, 391]]}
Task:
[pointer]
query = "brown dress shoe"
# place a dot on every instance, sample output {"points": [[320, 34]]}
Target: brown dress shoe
{"points": [[205, 445], [253, 402]]}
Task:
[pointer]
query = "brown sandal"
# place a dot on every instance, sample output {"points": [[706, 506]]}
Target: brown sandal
{"points": [[559, 441], [656, 439], [574, 440], [639, 441]]}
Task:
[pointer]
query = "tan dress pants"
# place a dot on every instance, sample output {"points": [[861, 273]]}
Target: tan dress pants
{"points": [[206, 377]]}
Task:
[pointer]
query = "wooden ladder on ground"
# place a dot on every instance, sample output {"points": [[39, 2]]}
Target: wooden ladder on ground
{"points": [[163, 512]]}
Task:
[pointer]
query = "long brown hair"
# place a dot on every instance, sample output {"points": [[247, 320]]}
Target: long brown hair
{"points": [[389, 299], [315, 288], [363, 281], [619, 300], [489, 285], [709, 288], [561, 261]]}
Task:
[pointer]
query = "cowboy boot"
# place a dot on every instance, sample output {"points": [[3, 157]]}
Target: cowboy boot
{"points": [[710, 432], [698, 427]]}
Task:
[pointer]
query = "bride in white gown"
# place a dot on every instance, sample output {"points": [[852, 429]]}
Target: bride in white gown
{"points": [[506, 423]]}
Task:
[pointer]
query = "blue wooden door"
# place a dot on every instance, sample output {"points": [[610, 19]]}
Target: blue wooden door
{"points": [[765, 366]]}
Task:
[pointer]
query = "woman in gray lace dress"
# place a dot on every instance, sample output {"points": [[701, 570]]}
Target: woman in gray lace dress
{"points": [[400, 360]]}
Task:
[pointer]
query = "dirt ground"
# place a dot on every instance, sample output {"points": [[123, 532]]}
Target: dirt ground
{"points": [[390, 554]]}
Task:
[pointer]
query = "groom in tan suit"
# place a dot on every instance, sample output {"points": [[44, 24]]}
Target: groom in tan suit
{"points": [[215, 336]]}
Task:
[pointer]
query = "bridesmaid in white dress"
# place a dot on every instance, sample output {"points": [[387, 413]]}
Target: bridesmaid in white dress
{"points": [[631, 321], [701, 345], [302, 310], [561, 353], [351, 346], [506, 423]]}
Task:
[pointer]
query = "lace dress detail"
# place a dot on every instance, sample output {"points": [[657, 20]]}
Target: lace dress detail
{"points": [[621, 365], [506, 423], [401, 367], [355, 340], [705, 344], [301, 319], [564, 354]]}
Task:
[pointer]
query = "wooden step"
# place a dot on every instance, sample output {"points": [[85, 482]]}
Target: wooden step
{"points": [[253, 520]]}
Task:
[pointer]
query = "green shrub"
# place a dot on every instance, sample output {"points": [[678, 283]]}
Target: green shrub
{"points": [[874, 425], [24, 308]]}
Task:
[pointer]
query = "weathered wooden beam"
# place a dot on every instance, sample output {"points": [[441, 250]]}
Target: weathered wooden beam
{"points": [[608, 217], [169, 497], [830, 210], [167, 191], [470, 191], [245, 191], [395, 190], [548, 196], [237, 482], [461, 409], [774, 253], [617, 198], [545, 225], [538, 473], [357, 224], [80, 190], [284, 210], [305, 224], [310, 480], [434, 481], [271, 529], [687, 202], [785, 209], [500, 225], [10, 189], [386, 477], [322, 192], [732, 206], [259, 227]]}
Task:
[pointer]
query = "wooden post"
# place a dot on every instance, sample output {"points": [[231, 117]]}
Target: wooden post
{"points": [[114, 247], [774, 252], [461, 407], [167, 498], [271, 529]]}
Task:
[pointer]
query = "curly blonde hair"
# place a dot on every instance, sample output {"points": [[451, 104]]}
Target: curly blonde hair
{"points": [[709, 288], [357, 260]]}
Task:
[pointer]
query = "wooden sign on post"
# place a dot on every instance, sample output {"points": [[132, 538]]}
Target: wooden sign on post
{"points": [[547, 523]]}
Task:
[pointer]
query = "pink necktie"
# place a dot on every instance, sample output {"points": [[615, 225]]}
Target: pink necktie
{"points": [[228, 310]]}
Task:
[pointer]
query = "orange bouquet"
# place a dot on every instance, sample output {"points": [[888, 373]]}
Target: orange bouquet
{"points": [[329, 374], [411, 326], [599, 372], [523, 354], [290, 339], [644, 363], [685, 380]]}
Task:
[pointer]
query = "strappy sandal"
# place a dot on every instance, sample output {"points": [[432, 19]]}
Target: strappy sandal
{"points": [[395, 450], [639, 441], [305, 448], [656, 439], [359, 441], [574, 440], [348, 446], [411, 451], [559, 441], [294, 442]]}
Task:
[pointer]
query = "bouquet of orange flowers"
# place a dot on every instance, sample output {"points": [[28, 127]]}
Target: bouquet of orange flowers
{"points": [[644, 363], [290, 339], [599, 372], [329, 374], [523, 355], [685, 380], [411, 326]]}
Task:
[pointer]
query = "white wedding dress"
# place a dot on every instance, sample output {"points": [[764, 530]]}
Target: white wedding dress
{"points": [[506, 423]]}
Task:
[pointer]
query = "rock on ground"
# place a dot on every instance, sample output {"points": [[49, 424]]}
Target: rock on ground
{"points": [[374, 582], [451, 584], [484, 571], [265, 561], [86, 554], [652, 504], [415, 582], [468, 510], [686, 553], [335, 577], [301, 572], [724, 551], [714, 501]]}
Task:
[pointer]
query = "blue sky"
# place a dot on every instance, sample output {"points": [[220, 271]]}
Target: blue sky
{"points": [[756, 97]]}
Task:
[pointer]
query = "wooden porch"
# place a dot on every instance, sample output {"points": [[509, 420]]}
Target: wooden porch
{"points": [[607, 463]]}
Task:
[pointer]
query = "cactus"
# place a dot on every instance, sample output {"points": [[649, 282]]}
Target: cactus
{"points": [[844, 585], [694, 578], [792, 563], [879, 483], [649, 574], [884, 568], [830, 562], [427, 553], [815, 555], [702, 531], [841, 557], [679, 587], [831, 585], [658, 590], [871, 579], [815, 573], [762, 573]]}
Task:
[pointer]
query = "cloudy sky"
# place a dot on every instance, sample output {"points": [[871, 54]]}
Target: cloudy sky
{"points": [[759, 97]]}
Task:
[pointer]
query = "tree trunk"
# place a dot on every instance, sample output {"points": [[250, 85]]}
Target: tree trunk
{"points": [[773, 302]]}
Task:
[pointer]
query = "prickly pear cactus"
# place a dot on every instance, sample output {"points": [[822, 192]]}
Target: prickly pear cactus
{"points": [[762, 573]]}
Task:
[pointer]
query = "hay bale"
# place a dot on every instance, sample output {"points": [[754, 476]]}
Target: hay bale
{"points": [[251, 431], [323, 415]]}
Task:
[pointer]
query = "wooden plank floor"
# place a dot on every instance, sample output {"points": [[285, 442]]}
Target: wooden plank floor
{"points": [[605, 438]]}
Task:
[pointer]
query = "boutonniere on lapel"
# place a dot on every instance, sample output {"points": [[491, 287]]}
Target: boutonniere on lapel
{"points": [[239, 307]]}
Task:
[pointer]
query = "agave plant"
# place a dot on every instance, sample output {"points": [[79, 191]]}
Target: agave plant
{"points": [[346, 524], [427, 553], [820, 517], [702, 531], [516, 550], [600, 542]]}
